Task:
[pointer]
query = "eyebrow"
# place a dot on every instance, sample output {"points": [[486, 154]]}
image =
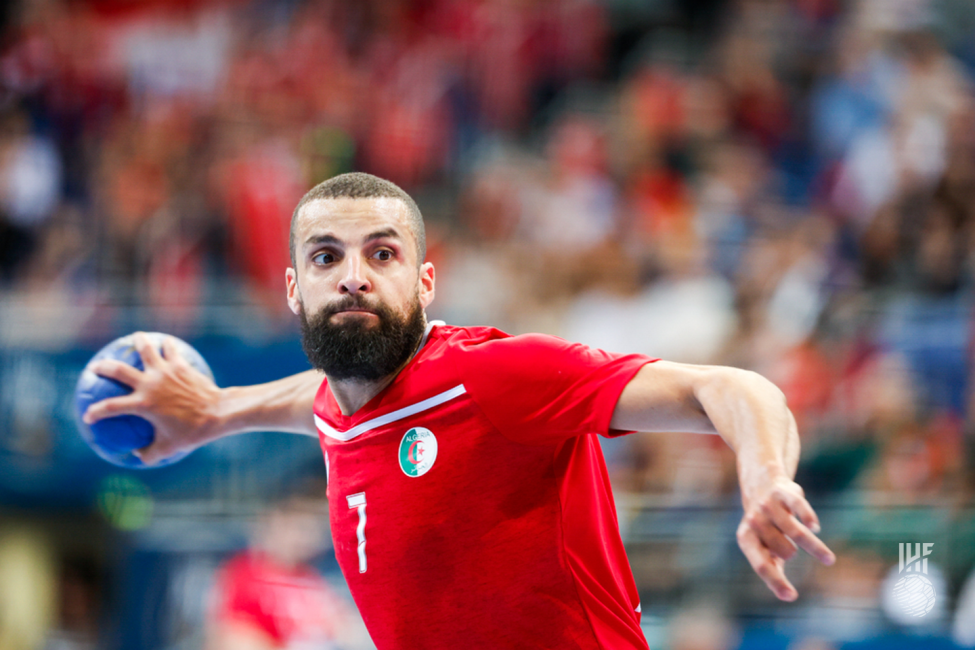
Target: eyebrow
{"points": [[335, 241]]}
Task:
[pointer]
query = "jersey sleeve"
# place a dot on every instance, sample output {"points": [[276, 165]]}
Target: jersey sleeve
{"points": [[538, 389]]}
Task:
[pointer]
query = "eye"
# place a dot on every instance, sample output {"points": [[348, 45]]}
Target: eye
{"points": [[384, 255], [322, 258]]}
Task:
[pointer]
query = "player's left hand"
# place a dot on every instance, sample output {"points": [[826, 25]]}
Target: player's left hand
{"points": [[778, 520]]}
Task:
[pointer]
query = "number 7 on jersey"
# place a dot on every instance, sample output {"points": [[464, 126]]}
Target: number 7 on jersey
{"points": [[358, 501]]}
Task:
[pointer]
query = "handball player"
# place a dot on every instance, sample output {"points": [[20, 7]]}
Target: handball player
{"points": [[469, 501]]}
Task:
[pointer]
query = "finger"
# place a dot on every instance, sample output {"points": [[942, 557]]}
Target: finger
{"points": [[797, 503], [160, 449], [146, 349], [773, 538], [149, 455], [768, 568], [108, 408], [117, 370], [170, 350], [805, 539], [797, 531]]}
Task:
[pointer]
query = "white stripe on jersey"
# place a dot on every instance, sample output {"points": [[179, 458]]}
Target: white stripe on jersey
{"points": [[405, 412]]}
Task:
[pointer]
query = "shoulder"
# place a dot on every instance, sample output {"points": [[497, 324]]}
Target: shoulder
{"points": [[489, 339], [488, 345], [458, 335], [487, 354]]}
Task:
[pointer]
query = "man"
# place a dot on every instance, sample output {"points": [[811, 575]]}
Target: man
{"points": [[469, 500]]}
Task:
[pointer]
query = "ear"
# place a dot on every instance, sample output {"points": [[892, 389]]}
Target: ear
{"points": [[294, 295], [427, 282]]}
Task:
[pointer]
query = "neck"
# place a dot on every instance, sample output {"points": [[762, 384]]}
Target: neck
{"points": [[352, 394]]}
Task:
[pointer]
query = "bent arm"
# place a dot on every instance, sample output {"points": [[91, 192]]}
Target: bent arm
{"points": [[751, 414], [188, 410], [282, 405], [747, 410]]}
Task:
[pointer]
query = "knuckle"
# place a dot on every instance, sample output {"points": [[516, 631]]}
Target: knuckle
{"points": [[790, 528], [742, 533], [116, 369], [776, 545], [798, 533]]}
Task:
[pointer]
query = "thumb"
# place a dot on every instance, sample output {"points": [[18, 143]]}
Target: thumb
{"points": [[149, 455]]}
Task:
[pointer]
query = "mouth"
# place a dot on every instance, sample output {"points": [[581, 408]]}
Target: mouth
{"points": [[355, 311]]}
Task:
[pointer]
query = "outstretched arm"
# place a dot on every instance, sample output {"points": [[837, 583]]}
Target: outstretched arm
{"points": [[750, 413], [188, 410]]}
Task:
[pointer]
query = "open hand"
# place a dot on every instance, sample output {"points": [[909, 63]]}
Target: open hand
{"points": [[178, 400], [777, 521]]}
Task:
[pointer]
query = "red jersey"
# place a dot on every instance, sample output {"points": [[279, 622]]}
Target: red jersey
{"points": [[469, 501], [294, 607]]}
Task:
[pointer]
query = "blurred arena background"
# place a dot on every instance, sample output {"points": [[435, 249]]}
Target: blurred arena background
{"points": [[781, 185]]}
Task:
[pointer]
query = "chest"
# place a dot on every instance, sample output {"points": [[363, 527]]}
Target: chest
{"points": [[434, 485]]}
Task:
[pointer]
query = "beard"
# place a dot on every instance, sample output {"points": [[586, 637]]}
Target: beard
{"points": [[357, 350]]}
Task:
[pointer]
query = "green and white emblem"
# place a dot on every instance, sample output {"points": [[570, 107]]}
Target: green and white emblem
{"points": [[417, 451]]}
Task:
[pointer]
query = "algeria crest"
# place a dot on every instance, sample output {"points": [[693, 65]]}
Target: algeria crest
{"points": [[417, 451]]}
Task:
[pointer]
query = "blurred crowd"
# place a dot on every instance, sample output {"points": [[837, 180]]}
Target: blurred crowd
{"points": [[781, 185]]}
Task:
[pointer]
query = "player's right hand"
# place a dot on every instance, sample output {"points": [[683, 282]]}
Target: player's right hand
{"points": [[778, 520], [179, 401]]}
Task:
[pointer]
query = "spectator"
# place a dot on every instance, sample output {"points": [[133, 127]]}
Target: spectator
{"points": [[270, 597]]}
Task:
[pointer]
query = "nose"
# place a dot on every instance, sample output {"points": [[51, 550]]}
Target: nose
{"points": [[354, 279]]}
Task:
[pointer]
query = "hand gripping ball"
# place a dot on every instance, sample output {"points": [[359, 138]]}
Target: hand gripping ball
{"points": [[115, 438]]}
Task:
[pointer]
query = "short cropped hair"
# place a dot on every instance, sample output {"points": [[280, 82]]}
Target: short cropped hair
{"points": [[358, 185]]}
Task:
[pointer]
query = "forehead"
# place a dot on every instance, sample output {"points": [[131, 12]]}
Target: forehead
{"points": [[349, 219]]}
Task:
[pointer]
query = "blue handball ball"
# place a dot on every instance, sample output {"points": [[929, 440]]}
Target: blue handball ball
{"points": [[115, 438]]}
